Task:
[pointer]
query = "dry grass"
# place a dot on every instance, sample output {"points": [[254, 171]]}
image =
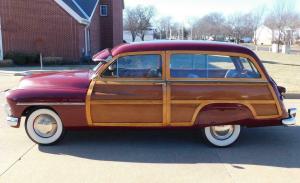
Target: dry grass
{"points": [[284, 69]]}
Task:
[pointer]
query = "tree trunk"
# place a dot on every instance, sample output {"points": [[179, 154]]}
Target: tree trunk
{"points": [[142, 37], [133, 36], [278, 41]]}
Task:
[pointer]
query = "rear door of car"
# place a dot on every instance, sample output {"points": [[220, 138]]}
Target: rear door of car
{"points": [[196, 79]]}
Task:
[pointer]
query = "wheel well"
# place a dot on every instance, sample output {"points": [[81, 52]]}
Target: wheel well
{"points": [[30, 109], [223, 113]]}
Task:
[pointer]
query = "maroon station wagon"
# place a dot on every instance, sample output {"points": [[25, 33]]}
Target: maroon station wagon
{"points": [[216, 88]]}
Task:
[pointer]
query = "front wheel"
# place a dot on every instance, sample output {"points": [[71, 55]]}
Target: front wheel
{"points": [[44, 127], [222, 136]]}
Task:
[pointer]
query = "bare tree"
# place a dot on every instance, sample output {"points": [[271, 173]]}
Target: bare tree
{"points": [[281, 18], [131, 22], [211, 25], [145, 15], [257, 20], [138, 20], [238, 25], [163, 26]]}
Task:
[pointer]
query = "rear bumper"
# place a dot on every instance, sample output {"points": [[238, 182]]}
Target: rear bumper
{"points": [[292, 118], [12, 121]]}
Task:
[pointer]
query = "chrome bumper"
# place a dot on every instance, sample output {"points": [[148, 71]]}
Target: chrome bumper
{"points": [[292, 118], [13, 122]]}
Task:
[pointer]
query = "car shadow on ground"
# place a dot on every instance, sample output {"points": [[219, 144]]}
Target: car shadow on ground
{"points": [[272, 146]]}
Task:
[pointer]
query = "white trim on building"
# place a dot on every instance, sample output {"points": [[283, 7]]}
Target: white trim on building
{"points": [[72, 12], [81, 10], [1, 46], [90, 19]]}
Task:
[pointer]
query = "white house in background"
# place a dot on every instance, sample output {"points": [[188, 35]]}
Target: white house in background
{"points": [[263, 35], [149, 36]]}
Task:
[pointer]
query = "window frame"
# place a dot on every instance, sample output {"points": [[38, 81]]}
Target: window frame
{"points": [[101, 12], [115, 59], [263, 77]]}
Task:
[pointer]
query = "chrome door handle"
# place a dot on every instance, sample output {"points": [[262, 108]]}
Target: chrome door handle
{"points": [[162, 83]]}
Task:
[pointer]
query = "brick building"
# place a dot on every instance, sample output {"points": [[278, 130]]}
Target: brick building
{"points": [[60, 28]]}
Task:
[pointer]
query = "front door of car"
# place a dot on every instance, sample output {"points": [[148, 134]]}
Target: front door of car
{"points": [[131, 91]]}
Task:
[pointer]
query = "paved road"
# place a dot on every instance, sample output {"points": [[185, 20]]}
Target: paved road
{"points": [[261, 155]]}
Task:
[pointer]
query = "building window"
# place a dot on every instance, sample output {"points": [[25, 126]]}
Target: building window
{"points": [[104, 10]]}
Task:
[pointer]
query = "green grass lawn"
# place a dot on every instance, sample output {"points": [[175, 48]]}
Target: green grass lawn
{"points": [[284, 69]]}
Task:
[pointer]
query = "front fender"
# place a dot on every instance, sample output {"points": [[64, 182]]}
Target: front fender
{"points": [[16, 96]]}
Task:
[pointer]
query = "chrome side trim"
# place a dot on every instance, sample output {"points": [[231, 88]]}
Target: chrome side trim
{"points": [[51, 104], [13, 122]]}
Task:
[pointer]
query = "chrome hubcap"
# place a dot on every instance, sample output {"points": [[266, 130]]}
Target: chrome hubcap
{"points": [[222, 132], [45, 126]]}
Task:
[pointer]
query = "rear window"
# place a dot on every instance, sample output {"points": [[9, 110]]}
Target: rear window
{"points": [[211, 66]]}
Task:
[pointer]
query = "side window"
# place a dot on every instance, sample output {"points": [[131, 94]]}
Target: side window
{"points": [[211, 66], [188, 66], [136, 66]]}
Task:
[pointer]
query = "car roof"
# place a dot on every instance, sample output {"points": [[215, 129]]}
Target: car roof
{"points": [[181, 45]]}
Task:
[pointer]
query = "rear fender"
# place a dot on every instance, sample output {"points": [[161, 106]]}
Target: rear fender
{"points": [[223, 113]]}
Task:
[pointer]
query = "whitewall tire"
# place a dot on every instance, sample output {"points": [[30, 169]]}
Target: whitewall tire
{"points": [[222, 136], [44, 127]]}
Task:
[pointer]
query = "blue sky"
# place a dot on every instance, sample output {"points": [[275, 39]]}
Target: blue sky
{"points": [[180, 10]]}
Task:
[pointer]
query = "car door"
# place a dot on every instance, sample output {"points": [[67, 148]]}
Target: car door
{"points": [[197, 79], [130, 91]]}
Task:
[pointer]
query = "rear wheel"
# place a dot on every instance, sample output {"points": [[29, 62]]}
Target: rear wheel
{"points": [[222, 136], [44, 127]]}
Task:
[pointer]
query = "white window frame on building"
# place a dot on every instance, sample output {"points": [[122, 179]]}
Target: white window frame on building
{"points": [[104, 13]]}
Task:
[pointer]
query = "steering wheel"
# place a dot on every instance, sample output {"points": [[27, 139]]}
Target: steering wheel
{"points": [[153, 73], [237, 74]]}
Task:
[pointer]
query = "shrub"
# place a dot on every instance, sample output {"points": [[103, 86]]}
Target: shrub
{"points": [[20, 58], [6, 63], [58, 61]]}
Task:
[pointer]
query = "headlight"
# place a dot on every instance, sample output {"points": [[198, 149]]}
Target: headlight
{"points": [[7, 109]]}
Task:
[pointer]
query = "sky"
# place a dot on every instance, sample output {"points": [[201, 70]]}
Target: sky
{"points": [[181, 10]]}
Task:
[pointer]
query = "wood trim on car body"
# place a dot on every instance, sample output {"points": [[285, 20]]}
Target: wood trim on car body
{"points": [[167, 102]]}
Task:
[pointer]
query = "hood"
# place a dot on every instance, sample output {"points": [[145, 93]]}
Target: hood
{"points": [[57, 80]]}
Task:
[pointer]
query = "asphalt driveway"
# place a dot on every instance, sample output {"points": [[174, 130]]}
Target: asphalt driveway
{"points": [[261, 155]]}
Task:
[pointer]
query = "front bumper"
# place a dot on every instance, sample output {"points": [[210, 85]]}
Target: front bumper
{"points": [[292, 118], [12, 121]]}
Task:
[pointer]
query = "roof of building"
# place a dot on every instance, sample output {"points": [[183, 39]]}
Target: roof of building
{"points": [[81, 10], [84, 8], [181, 45]]}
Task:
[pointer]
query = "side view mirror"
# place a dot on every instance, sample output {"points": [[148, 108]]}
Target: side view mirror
{"points": [[100, 60]]}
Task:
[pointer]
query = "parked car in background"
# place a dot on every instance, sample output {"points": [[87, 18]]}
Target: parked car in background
{"points": [[216, 88]]}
